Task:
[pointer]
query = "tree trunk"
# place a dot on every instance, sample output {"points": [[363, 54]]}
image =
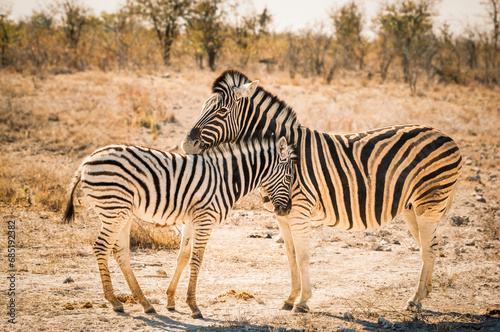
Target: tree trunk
{"points": [[405, 62], [384, 66], [4, 39], [167, 46], [211, 59], [199, 59]]}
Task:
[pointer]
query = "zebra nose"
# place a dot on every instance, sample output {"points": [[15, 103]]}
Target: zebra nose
{"points": [[281, 210], [195, 134]]}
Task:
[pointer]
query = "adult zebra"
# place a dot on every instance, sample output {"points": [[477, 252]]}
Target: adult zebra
{"points": [[166, 188], [356, 181]]}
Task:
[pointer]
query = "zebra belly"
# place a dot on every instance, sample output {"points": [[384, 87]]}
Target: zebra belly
{"points": [[362, 181], [357, 225], [165, 220]]}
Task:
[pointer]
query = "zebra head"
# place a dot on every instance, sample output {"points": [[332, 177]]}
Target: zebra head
{"points": [[277, 186], [222, 113]]}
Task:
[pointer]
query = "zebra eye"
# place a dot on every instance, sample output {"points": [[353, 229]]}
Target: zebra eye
{"points": [[223, 110]]}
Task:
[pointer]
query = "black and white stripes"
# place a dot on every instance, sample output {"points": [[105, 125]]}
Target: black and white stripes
{"points": [[354, 181], [166, 188]]}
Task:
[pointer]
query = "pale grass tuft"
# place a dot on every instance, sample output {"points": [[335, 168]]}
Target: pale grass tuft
{"points": [[145, 107], [37, 185], [148, 236], [127, 299]]}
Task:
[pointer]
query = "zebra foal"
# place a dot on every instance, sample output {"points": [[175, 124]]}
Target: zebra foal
{"points": [[164, 188], [355, 181]]}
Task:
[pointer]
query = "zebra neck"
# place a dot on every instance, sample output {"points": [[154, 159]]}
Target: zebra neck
{"points": [[267, 116], [244, 171]]}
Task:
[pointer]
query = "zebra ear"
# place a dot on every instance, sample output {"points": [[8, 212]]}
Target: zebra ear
{"points": [[283, 148], [246, 90]]}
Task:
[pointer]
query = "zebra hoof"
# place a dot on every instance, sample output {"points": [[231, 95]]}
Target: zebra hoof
{"points": [[196, 315], [287, 306], [171, 308], [300, 309], [413, 306], [150, 310], [118, 309]]}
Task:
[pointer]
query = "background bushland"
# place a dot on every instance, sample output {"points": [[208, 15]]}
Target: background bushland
{"points": [[405, 43]]}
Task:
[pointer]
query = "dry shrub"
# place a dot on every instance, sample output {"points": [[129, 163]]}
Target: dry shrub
{"points": [[446, 280], [239, 295], [44, 180], [37, 184], [74, 305], [87, 305], [145, 108], [127, 299], [69, 306], [148, 236], [10, 192]]}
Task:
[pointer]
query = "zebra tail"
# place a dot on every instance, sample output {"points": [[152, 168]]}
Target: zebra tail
{"points": [[69, 214], [450, 200]]}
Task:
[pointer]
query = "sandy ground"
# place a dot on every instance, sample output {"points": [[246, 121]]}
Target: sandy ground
{"points": [[361, 281], [358, 279]]}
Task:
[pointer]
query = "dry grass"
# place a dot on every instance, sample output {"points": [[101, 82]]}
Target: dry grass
{"points": [[147, 236], [48, 125], [146, 107]]}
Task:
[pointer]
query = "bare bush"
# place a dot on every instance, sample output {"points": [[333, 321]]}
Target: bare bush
{"points": [[406, 31], [348, 23], [166, 17], [146, 236]]}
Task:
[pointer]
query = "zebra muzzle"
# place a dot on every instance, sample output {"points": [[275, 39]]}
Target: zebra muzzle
{"points": [[281, 210], [193, 144]]}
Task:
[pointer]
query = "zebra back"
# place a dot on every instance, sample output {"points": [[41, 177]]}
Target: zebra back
{"points": [[353, 181], [166, 187]]}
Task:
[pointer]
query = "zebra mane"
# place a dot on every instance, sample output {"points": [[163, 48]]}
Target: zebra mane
{"points": [[281, 113], [228, 80], [229, 149]]}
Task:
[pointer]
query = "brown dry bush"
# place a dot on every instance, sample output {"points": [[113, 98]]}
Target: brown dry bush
{"points": [[39, 45], [147, 236], [36, 184], [145, 108]]}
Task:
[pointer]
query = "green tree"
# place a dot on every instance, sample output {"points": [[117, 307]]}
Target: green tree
{"points": [[405, 31], [74, 18], [448, 57], [166, 16], [246, 33], [206, 29], [348, 23], [8, 34], [489, 41], [119, 34], [40, 42]]}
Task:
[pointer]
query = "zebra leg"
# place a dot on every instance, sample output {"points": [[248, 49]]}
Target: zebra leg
{"points": [[292, 261], [182, 260], [411, 221], [301, 230], [102, 249], [121, 253], [428, 249], [201, 235]]}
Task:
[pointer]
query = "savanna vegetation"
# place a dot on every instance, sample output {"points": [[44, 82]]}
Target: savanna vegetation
{"points": [[406, 45], [71, 82]]}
